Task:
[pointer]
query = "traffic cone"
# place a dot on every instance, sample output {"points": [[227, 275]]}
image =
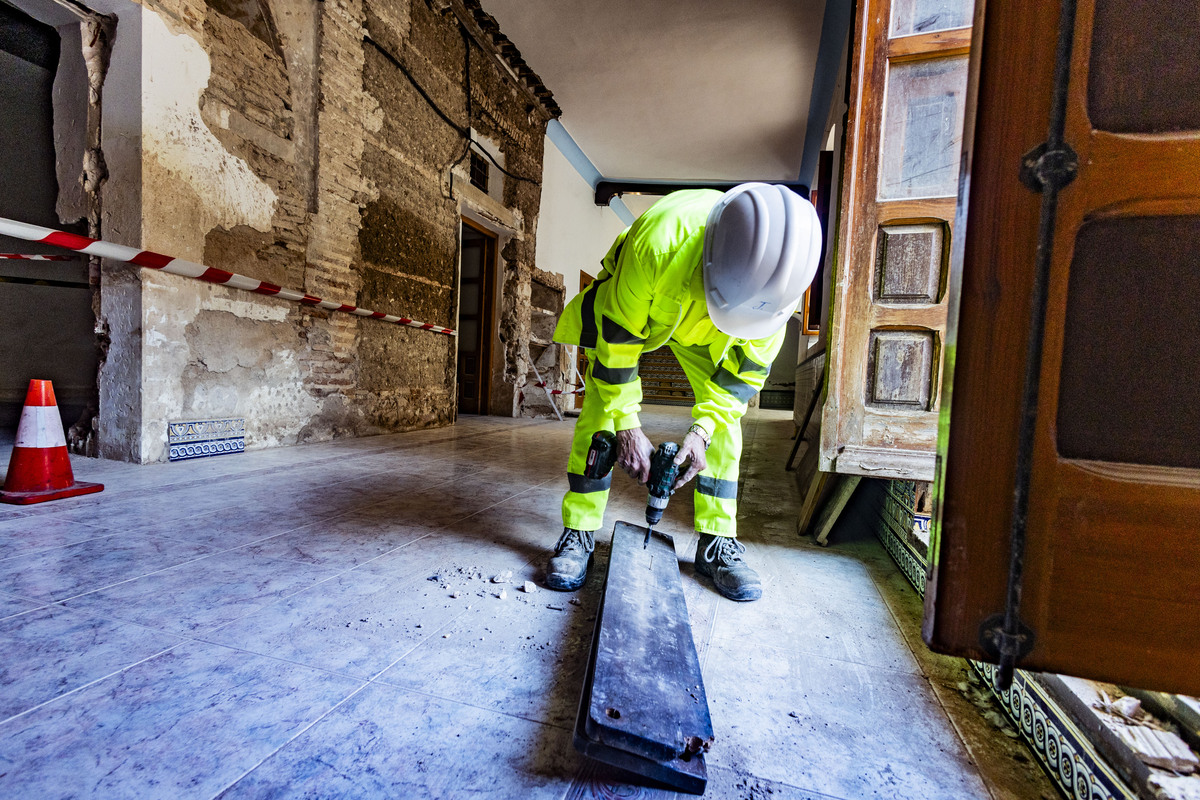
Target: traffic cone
{"points": [[40, 469]]}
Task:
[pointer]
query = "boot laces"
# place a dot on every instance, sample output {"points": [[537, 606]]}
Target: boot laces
{"points": [[572, 539], [724, 550]]}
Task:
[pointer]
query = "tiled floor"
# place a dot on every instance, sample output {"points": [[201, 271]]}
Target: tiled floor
{"points": [[320, 621]]}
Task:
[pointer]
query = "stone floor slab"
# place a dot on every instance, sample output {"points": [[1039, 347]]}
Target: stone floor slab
{"points": [[53, 650], [387, 742], [184, 724], [201, 595], [93, 564]]}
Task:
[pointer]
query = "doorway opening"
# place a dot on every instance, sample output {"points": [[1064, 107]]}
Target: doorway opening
{"points": [[47, 323], [475, 318]]}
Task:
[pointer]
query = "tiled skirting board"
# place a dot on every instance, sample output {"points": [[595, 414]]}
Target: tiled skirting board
{"points": [[208, 437], [1063, 750]]}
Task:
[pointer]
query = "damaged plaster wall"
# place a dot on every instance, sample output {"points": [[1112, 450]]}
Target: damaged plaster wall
{"points": [[208, 351], [276, 142]]}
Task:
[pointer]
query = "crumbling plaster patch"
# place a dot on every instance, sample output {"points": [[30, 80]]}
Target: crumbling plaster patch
{"points": [[201, 359], [180, 151]]}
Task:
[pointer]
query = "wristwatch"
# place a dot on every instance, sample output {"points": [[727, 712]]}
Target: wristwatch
{"points": [[703, 434]]}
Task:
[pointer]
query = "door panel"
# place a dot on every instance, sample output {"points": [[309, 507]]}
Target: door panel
{"points": [[1112, 548], [477, 267], [889, 295]]}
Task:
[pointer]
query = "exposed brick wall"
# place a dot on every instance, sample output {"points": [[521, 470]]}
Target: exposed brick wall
{"points": [[409, 234], [373, 222]]}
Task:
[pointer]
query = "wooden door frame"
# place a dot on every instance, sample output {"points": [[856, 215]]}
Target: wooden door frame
{"points": [[853, 312], [488, 323]]}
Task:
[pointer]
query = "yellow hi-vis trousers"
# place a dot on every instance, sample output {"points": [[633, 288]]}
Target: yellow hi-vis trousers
{"points": [[715, 487]]}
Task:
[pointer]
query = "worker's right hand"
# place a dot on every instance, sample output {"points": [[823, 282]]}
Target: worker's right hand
{"points": [[634, 452]]}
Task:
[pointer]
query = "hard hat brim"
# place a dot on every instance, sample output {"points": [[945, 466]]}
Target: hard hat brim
{"points": [[744, 323]]}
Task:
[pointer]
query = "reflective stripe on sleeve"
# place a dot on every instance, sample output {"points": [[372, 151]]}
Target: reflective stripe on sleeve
{"points": [[717, 487], [588, 333], [734, 385], [614, 333], [752, 366]]}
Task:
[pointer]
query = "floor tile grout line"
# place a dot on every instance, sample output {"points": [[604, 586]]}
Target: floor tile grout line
{"points": [[375, 678], [62, 697], [463, 703], [52, 548], [336, 574], [293, 738], [412, 578], [374, 682], [805, 652], [118, 583]]}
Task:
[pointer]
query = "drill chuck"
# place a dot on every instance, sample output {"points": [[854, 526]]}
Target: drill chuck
{"points": [[655, 506]]}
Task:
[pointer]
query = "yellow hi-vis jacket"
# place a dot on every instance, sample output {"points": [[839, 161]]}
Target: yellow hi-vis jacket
{"points": [[651, 291]]}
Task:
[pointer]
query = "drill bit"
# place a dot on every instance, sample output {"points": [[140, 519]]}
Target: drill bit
{"points": [[649, 530]]}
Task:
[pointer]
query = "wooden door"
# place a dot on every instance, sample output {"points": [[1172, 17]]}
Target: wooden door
{"points": [[475, 319], [889, 298], [1110, 586]]}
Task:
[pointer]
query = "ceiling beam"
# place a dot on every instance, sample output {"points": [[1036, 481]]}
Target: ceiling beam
{"points": [[607, 190]]}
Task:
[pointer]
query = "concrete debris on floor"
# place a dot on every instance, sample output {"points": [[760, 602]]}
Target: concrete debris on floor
{"points": [[1146, 748], [179, 636]]}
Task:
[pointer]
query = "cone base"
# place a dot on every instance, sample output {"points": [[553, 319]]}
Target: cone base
{"points": [[28, 498]]}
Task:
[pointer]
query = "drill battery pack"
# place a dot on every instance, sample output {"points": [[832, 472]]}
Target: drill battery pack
{"points": [[602, 455]]}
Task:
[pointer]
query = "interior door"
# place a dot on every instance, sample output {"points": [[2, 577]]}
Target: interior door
{"points": [[475, 319], [46, 320], [889, 298], [1109, 585]]}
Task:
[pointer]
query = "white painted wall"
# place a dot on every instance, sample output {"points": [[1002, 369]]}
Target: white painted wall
{"points": [[573, 233]]}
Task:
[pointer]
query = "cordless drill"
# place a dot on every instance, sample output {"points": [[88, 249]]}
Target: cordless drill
{"points": [[663, 471], [602, 455]]}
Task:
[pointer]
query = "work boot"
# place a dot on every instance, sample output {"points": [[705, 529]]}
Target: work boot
{"points": [[568, 567], [720, 558]]}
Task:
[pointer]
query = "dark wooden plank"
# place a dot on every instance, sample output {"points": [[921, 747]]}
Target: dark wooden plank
{"points": [[643, 707]]}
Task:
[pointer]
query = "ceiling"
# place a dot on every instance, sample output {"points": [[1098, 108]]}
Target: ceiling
{"points": [[675, 90]]}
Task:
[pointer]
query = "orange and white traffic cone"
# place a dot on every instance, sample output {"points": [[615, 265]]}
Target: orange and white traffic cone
{"points": [[40, 468]]}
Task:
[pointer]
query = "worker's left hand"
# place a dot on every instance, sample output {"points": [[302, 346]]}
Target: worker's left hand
{"points": [[691, 450]]}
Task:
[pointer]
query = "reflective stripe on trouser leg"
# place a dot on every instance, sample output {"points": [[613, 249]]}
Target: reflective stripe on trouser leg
{"points": [[715, 487], [583, 505]]}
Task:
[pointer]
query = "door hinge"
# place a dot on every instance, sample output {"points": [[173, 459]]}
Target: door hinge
{"points": [[1005, 648], [1045, 167]]}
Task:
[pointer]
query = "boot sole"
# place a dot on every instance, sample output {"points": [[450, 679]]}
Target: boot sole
{"points": [[562, 584]]}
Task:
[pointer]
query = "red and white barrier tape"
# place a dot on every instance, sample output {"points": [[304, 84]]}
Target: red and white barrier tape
{"points": [[189, 269], [576, 390], [33, 257]]}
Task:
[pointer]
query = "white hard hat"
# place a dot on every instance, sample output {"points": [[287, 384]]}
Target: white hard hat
{"points": [[761, 247]]}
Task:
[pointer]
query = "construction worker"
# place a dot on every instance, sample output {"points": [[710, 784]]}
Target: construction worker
{"points": [[715, 277]]}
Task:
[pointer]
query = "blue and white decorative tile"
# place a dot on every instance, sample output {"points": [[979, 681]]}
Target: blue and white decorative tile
{"points": [[208, 437], [1063, 749]]}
